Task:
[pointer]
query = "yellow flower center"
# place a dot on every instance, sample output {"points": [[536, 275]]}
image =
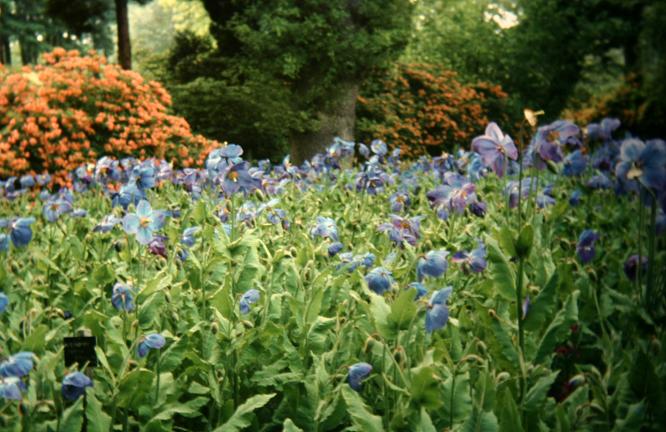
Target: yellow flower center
{"points": [[144, 222]]}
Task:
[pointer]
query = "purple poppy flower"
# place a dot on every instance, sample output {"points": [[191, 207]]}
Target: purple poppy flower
{"points": [[585, 248], [433, 264], [157, 246], [631, 266], [357, 373], [474, 261], [478, 208], [74, 385], [402, 230], [455, 195], [4, 301], [17, 365], [574, 164], [144, 222], [43, 179], [10, 388], [122, 297], [399, 201], [437, 313], [151, 341], [237, 178], [511, 190], [645, 162], [325, 228], [548, 141], [494, 148], [379, 280], [247, 299]]}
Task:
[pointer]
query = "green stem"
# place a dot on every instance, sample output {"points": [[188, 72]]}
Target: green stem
{"points": [[519, 317], [651, 250], [157, 376], [641, 222], [453, 387]]}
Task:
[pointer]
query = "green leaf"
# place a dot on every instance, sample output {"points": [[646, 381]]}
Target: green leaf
{"points": [[558, 328], [72, 417], [314, 306], [501, 273], [380, 312], [506, 237], [543, 305], [361, 416], [484, 421], [525, 240], [403, 309], [457, 399], [503, 341], [289, 426], [536, 395], [98, 420], [243, 414], [424, 388], [634, 419], [509, 416], [319, 332], [425, 423]]}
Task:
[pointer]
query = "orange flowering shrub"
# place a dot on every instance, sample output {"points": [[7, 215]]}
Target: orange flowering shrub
{"points": [[75, 109], [423, 109]]}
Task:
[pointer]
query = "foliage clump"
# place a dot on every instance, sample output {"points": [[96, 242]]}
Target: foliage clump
{"points": [[422, 108], [74, 109]]}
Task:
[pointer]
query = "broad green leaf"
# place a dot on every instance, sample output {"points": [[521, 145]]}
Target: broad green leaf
{"points": [[484, 421], [72, 417], [501, 272], [425, 387], [98, 420], [289, 426], [536, 395], [457, 400], [242, 417], [361, 416], [425, 422], [558, 328], [403, 309], [509, 416], [543, 305]]}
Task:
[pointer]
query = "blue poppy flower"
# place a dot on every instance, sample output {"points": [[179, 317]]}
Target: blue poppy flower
{"points": [[4, 242], [574, 164], [144, 222], [188, 238], [585, 247], [151, 341], [363, 150], [437, 313], [122, 297], [247, 299], [645, 162], [4, 301], [432, 264], [599, 181], [574, 199], [27, 181], [420, 289], [358, 372], [334, 248], [107, 224], [129, 194], [53, 209], [74, 385], [17, 365], [379, 280], [10, 388], [79, 213], [548, 141], [399, 201], [631, 266], [20, 231], [144, 175], [494, 148], [602, 131], [325, 228], [237, 178], [402, 229]]}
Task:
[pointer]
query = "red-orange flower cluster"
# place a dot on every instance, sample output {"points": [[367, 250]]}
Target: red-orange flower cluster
{"points": [[423, 109], [75, 109]]}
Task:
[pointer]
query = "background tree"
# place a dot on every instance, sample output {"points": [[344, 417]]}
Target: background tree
{"points": [[312, 55]]}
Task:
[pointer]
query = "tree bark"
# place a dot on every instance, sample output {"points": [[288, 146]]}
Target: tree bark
{"points": [[5, 51], [124, 47], [338, 121]]}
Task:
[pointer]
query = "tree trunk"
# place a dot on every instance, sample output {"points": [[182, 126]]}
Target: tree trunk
{"points": [[338, 121], [5, 51], [124, 47]]}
